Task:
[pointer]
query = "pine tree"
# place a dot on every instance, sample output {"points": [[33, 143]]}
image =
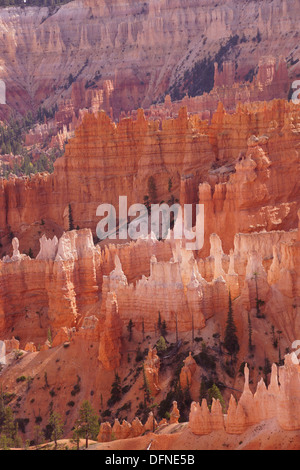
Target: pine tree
{"points": [[259, 302], [203, 390], [214, 392], [159, 322], [143, 329], [57, 427], [76, 435], [177, 337], [267, 370], [9, 430], [250, 345], [116, 391], [71, 222], [88, 422], [38, 435], [231, 340], [164, 329], [129, 329], [147, 394], [161, 345], [152, 191]]}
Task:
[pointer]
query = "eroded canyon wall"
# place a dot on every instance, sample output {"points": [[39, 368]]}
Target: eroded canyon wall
{"points": [[133, 52], [246, 164]]}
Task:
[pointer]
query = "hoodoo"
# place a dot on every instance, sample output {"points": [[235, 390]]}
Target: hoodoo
{"points": [[149, 226]]}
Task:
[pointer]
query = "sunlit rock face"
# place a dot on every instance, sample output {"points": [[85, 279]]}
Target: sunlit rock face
{"points": [[238, 167], [117, 52]]}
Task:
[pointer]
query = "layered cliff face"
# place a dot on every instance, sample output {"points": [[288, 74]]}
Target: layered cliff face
{"points": [[253, 151], [84, 296], [133, 52], [149, 317], [71, 281]]}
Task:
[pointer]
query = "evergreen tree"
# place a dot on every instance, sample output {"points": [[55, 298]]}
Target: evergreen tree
{"points": [[161, 345], [76, 435], [152, 191], [9, 427], [129, 329], [259, 302], [88, 422], [159, 322], [203, 390], [214, 392], [164, 329], [143, 329], [147, 203], [274, 339], [4, 442], [116, 391], [147, 394], [57, 427], [176, 318], [231, 343], [250, 345], [38, 435], [71, 222], [267, 370]]}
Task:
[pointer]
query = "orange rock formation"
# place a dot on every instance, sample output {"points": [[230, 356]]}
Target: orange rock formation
{"points": [[151, 369], [276, 401]]}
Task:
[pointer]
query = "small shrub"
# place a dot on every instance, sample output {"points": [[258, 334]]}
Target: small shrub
{"points": [[139, 355], [22, 378], [22, 423]]}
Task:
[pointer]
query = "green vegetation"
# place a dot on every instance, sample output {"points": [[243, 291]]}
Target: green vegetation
{"points": [[205, 360], [77, 387], [49, 336], [267, 369], [71, 222], [250, 331], [214, 392], [87, 424], [129, 329], [139, 355], [56, 425], [116, 391], [22, 378], [161, 345], [161, 326], [152, 190], [9, 429], [27, 166], [231, 342], [12, 141], [259, 302], [12, 135], [200, 79]]}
